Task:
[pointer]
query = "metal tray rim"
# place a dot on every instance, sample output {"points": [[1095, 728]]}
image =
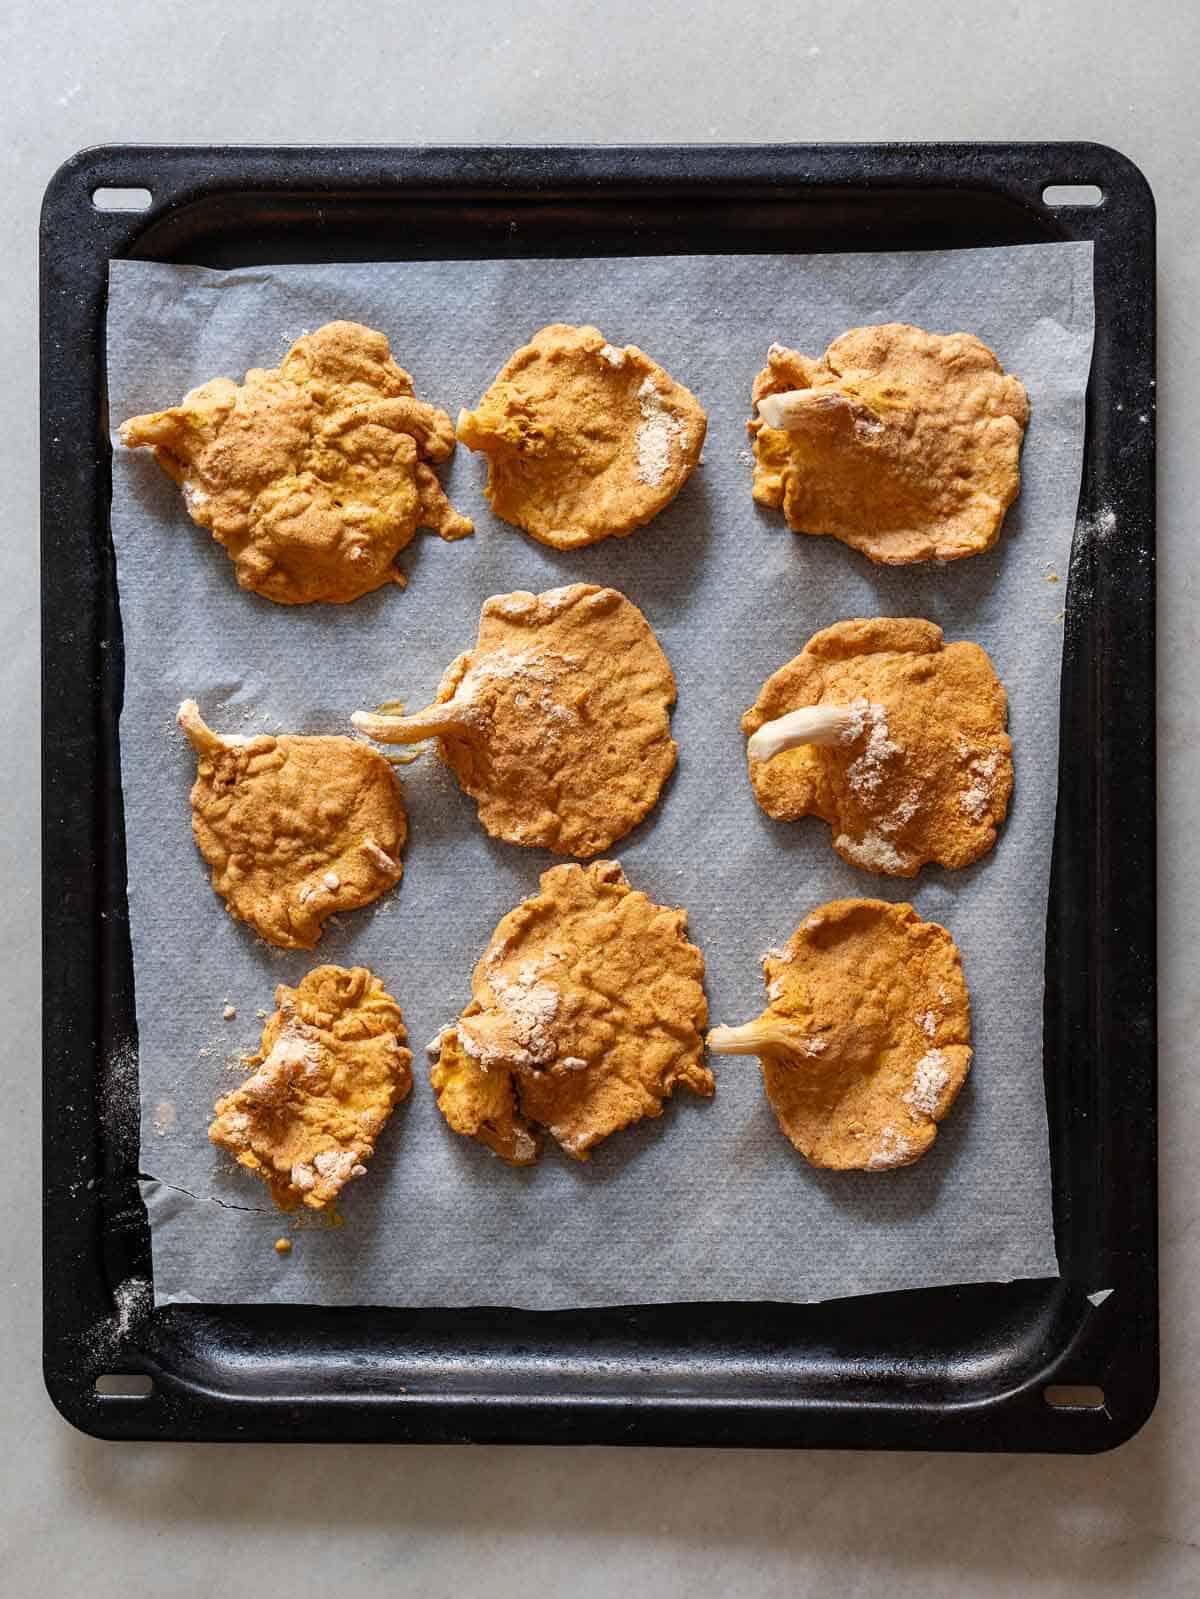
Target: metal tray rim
{"points": [[88, 1222]]}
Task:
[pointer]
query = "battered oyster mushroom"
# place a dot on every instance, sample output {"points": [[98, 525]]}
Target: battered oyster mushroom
{"points": [[587, 1009], [901, 443], [294, 828], [330, 1069], [584, 441], [557, 723], [865, 1041], [312, 475], [896, 739]]}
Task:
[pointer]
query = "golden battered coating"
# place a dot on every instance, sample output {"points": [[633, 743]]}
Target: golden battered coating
{"points": [[558, 721], [330, 1069], [584, 441], [865, 1041], [294, 828], [587, 1009], [901, 443], [312, 475], [896, 739]]}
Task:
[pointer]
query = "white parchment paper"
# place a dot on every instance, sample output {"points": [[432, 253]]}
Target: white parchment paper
{"points": [[709, 1202]]}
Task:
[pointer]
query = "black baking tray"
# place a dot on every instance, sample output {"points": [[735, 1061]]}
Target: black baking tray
{"points": [[949, 1368]]}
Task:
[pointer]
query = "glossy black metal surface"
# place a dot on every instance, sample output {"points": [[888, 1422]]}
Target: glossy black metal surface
{"points": [[958, 1368]]}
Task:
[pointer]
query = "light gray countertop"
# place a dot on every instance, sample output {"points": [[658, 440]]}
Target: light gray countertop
{"points": [[78, 1515]]}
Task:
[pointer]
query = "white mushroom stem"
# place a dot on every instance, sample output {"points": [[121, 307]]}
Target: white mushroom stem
{"points": [[199, 735], [765, 1035], [812, 724], [451, 716], [798, 409]]}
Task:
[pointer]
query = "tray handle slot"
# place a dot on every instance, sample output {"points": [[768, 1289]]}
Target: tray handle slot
{"points": [[1072, 194], [124, 1385], [1074, 1396], [107, 198]]}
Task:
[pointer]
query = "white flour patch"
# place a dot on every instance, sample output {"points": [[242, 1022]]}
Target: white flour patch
{"points": [[977, 799], [872, 851], [656, 433], [893, 1150], [528, 1006], [867, 772], [929, 1083]]}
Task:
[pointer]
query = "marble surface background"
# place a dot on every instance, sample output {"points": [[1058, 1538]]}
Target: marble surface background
{"points": [[134, 1520]]}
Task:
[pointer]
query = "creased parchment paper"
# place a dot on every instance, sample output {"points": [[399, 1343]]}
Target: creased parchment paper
{"points": [[709, 1202]]}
